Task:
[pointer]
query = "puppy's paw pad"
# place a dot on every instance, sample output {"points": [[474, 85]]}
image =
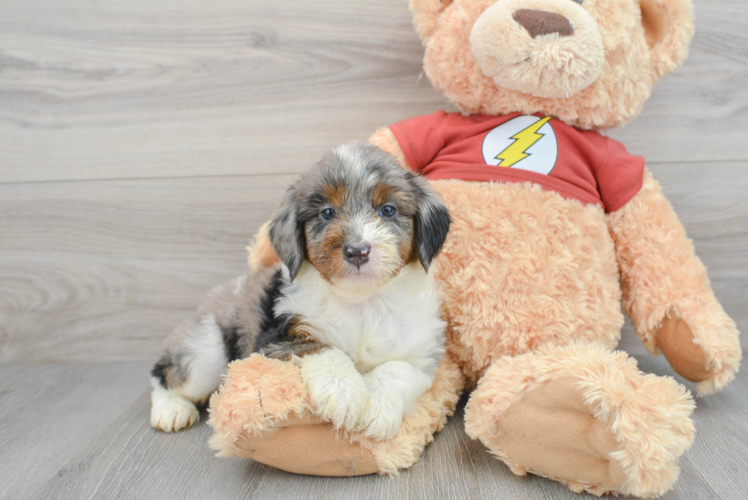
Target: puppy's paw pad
{"points": [[173, 413]]}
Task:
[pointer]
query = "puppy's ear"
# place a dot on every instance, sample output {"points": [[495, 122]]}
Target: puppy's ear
{"points": [[287, 233], [432, 220]]}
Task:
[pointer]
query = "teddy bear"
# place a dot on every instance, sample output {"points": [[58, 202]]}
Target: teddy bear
{"points": [[555, 227]]}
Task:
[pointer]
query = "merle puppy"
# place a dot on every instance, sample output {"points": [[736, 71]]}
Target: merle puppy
{"points": [[352, 301]]}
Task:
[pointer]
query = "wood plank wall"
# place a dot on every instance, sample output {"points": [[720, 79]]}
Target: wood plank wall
{"points": [[142, 143]]}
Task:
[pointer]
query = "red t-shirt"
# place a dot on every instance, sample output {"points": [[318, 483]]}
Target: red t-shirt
{"points": [[577, 164]]}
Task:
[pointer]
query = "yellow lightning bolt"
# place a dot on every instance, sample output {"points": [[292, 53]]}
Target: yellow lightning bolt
{"points": [[522, 142]]}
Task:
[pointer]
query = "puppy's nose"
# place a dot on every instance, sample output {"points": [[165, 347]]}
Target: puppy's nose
{"points": [[357, 255], [540, 22]]}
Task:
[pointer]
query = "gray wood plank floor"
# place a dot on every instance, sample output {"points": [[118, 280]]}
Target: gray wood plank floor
{"points": [[142, 143], [91, 439]]}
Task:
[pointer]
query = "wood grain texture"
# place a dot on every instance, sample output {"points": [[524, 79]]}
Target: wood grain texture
{"points": [[154, 89], [98, 271], [142, 143], [116, 455], [50, 411], [172, 89]]}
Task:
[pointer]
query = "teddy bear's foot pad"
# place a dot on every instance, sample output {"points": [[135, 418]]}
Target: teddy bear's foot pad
{"points": [[584, 416], [552, 432]]}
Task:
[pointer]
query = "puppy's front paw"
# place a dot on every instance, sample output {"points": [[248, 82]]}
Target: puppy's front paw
{"points": [[336, 389], [170, 411], [384, 416]]}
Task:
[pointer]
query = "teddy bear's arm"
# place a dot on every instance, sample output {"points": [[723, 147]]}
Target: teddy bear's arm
{"points": [[263, 411], [667, 294], [385, 139]]}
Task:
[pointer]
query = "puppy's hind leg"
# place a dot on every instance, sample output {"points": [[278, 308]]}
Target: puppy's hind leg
{"points": [[187, 373]]}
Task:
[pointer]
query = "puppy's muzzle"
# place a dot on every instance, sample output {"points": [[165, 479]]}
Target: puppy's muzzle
{"points": [[358, 254]]}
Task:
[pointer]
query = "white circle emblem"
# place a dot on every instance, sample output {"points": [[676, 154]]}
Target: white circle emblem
{"points": [[524, 142]]}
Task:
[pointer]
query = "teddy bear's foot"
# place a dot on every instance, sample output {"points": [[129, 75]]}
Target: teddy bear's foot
{"points": [[264, 412], [584, 416]]}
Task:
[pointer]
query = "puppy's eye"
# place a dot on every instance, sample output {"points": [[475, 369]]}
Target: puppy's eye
{"points": [[327, 213], [578, 1], [387, 211]]}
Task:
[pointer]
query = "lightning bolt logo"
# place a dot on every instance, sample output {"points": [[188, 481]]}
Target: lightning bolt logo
{"points": [[523, 140]]}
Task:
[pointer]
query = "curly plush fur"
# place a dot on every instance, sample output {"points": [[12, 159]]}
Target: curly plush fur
{"points": [[630, 68], [263, 412], [614, 393], [662, 277], [533, 283]]}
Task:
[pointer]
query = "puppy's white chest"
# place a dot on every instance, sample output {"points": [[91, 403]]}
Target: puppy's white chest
{"points": [[399, 322], [370, 332], [377, 334]]}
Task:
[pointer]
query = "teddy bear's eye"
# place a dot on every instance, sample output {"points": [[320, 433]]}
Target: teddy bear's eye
{"points": [[579, 1]]}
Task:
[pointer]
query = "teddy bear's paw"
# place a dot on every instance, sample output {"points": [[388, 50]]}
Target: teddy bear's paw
{"points": [[710, 358], [585, 417], [170, 411], [336, 389], [551, 432], [384, 416]]}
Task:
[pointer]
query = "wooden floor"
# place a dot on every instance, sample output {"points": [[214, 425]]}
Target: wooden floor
{"points": [[142, 143]]}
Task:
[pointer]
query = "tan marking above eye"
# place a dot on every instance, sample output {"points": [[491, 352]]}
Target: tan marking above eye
{"points": [[382, 194], [335, 194]]}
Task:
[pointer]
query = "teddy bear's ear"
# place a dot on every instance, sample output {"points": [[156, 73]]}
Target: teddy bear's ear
{"points": [[668, 27], [426, 14]]}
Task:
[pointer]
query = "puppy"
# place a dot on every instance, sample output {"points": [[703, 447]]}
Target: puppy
{"points": [[352, 301]]}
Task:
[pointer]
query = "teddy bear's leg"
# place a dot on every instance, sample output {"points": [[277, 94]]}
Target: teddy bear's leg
{"points": [[666, 292], [263, 412], [585, 416]]}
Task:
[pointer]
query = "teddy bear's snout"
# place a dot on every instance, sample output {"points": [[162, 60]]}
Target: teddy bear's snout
{"points": [[540, 22], [543, 48]]}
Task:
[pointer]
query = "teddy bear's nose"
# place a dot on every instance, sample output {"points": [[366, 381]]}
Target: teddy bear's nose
{"points": [[540, 22]]}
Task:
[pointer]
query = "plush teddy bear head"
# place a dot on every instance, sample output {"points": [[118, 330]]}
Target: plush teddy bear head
{"points": [[590, 63]]}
